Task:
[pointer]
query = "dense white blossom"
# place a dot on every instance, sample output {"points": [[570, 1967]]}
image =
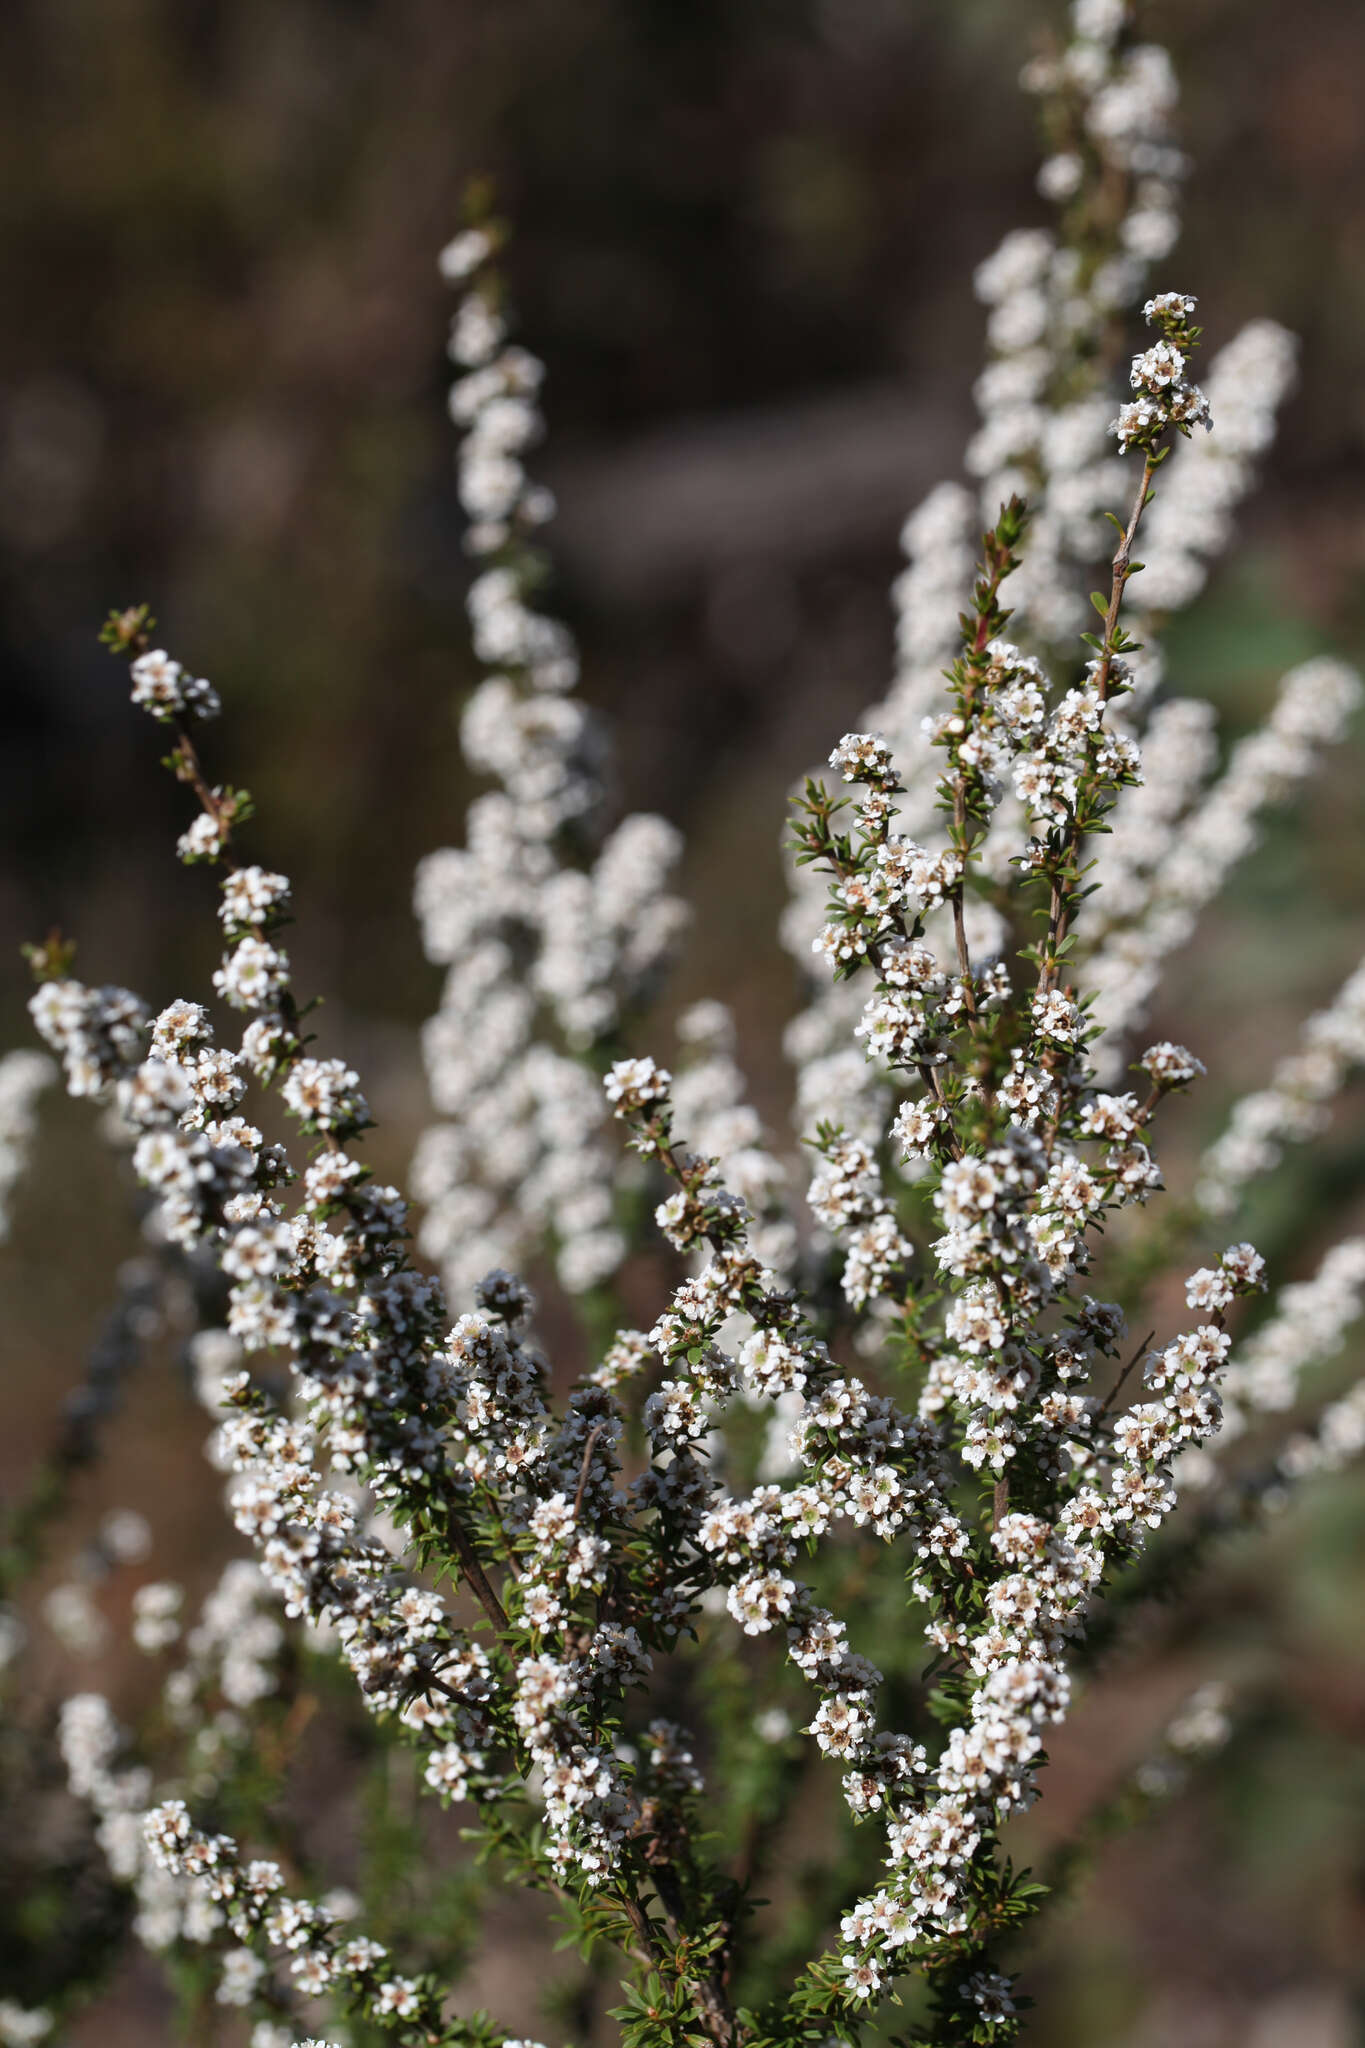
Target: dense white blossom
{"points": [[551, 930], [23, 1077], [973, 1145], [168, 691], [1295, 1104], [1314, 702]]}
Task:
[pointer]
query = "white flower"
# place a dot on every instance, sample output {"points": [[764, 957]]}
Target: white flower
{"points": [[325, 1094], [251, 896], [1170, 1066], [156, 1615], [462, 256], [633, 1085], [203, 840], [164, 688], [865, 757]]}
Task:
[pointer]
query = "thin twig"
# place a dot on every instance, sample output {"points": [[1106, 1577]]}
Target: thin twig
{"points": [[462, 1543], [1121, 567], [1117, 1387], [593, 1435]]}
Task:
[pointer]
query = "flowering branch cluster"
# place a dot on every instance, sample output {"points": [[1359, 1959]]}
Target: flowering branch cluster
{"points": [[1295, 1104], [1019, 835], [550, 930], [251, 1901], [23, 1077]]}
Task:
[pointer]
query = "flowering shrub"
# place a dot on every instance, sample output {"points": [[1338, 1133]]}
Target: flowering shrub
{"points": [[905, 1422]]}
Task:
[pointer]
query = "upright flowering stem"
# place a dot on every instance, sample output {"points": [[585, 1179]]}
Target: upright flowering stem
{"points": [[451, 1432], [1164, 405], [1122, 566], [970, 1155], [970, 679], [552, 929]]}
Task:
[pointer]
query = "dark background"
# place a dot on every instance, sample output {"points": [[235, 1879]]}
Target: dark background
{"points": [[744, 243]]}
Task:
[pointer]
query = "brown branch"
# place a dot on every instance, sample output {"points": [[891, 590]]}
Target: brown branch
{"points": [[964, 964], [709, 1991], [1120, 568], [593, 1435], [434, 1684], [1117, 1387], [462, 1543], [648, 1954], [189, 769], [930, 1077]]}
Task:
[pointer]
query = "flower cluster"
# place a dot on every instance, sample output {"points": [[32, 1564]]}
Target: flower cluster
{"points": [[1191, 519], [1263, 1377], [250, 1901], [169, 691], [1187, 868], [99, 1032], [859, 1459], [518, 1151], [23, 2026], [929, 1385], [1055, 296], [709, 1098], [23, 1077], [1163, 397], [1296, 1103]]}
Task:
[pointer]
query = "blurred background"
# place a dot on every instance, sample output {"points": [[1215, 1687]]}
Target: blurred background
{"points": [[744, 244]]}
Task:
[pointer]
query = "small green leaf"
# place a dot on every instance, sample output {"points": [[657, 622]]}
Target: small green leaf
{"points": [[51, 960], [122, 631]]}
